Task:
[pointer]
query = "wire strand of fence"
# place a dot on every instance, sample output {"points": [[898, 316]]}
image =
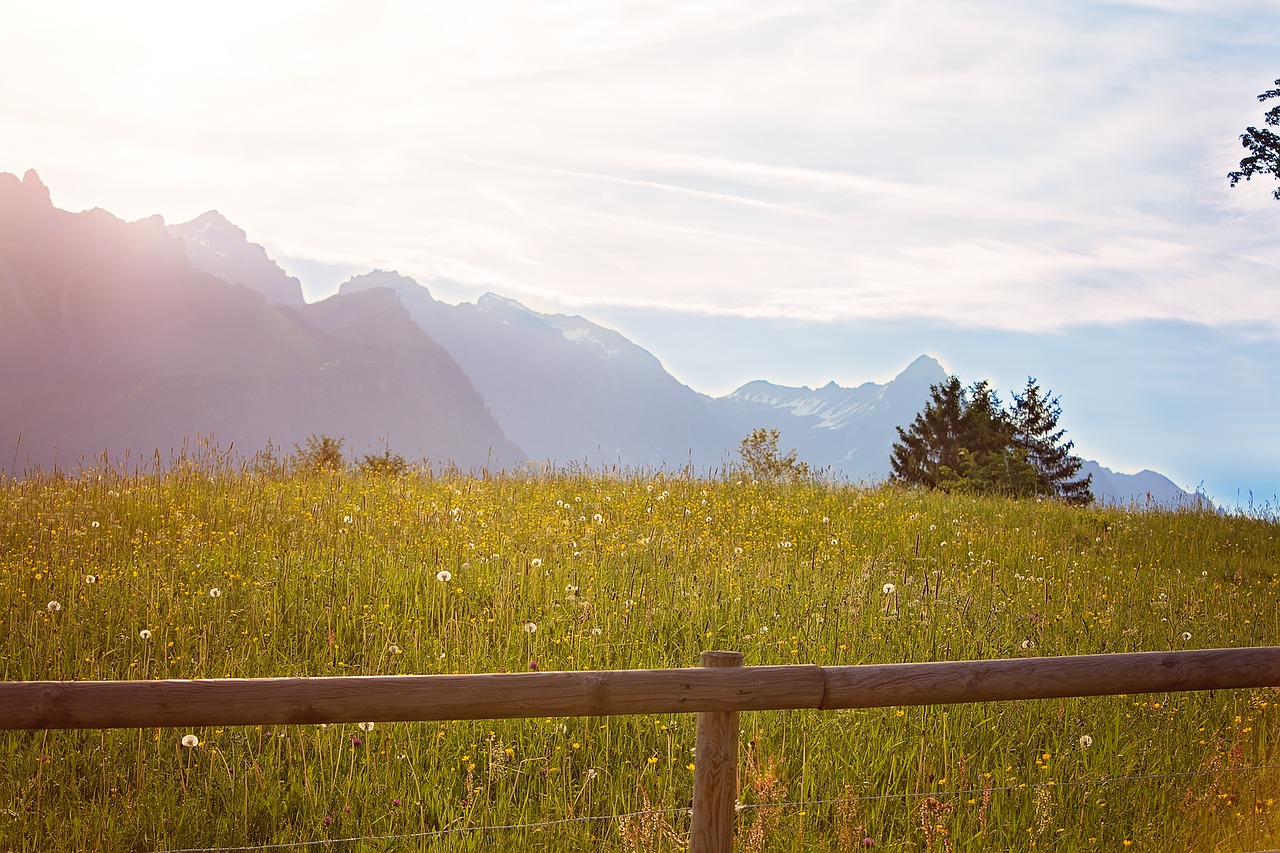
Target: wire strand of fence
{"points": [[319, 842], [741, 807], [1104, 780]]}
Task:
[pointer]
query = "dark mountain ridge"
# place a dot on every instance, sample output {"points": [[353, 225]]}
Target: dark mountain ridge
{"points": [[112, 341]]}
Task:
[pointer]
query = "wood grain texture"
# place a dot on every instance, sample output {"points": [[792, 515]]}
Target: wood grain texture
{"points": [[278, 701], [1049, 678], [715, 771]]}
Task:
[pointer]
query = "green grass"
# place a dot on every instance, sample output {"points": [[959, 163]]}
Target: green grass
{"points": [[338, 574]]}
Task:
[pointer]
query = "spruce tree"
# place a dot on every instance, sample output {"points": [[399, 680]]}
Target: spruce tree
{"points": [[928, 452], [1035, 421], [992, 462], [964, 439]]}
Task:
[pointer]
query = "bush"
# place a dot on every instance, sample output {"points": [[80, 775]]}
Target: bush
{"points": [[322, 453]]}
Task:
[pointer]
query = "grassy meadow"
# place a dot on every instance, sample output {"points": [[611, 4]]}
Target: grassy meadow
{"points": [[210, 571]]}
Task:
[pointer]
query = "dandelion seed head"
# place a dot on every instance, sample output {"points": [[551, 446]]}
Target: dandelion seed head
{"points": [[444, 576], [90, 578], [888, 589], [190, 741], [1186, 635], [366, 727], [215, 592], [145, 634], [530, 627], [536, 562], [53, 606], [1085, 741]]}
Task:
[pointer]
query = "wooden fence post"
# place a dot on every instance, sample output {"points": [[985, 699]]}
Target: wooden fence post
{"points": [[715, 772]]}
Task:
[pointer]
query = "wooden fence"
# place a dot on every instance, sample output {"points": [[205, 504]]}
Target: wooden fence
{"points": [[716, 692]]}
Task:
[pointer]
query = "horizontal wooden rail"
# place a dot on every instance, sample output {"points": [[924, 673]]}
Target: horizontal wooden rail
{"points": [[950, 682], [387, 698]]}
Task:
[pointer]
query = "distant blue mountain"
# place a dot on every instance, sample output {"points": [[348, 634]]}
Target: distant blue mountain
{"points": [[846, 431], [136, 336], [565, 389]]}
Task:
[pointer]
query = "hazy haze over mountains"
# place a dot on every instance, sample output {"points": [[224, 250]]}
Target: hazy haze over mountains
{"points": [[219, 248], [564, 388], [136, 336], [112, 341]]}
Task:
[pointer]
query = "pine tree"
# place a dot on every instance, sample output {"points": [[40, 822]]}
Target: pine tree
{"points": [[928, 452], [1035, 421], [965, 440]]}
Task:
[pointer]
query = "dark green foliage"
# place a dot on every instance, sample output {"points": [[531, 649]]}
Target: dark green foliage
{"points": [[929, 452], [964, 440], [386, 464], [322, 453], [1263, 145], [764, 462], [1035, 421]]}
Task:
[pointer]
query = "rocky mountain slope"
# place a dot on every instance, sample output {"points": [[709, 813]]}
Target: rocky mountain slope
{"points": [[111, 340]]}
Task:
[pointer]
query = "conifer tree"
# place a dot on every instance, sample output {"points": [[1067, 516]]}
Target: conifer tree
{"points": [[928, 453], [1035, 420], [965, 440]]}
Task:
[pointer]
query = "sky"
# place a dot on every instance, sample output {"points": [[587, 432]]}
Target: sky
{"points": [[801, 192]]}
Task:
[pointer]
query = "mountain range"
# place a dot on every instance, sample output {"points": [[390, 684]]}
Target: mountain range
{"points": [[135, 337]]}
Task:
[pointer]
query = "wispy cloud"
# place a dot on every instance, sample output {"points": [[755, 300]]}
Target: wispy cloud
{"points": [[983, 162]]}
